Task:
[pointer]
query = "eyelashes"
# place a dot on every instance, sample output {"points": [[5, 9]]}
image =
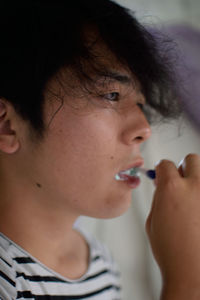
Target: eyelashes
{"points": [[141, 106], [114, 96], [116, 100]]}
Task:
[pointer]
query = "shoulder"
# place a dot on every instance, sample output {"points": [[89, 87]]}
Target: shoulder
{"points": [[7, 271]]}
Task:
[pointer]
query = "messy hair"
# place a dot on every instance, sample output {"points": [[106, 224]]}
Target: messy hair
{"points": [[39, 37]]}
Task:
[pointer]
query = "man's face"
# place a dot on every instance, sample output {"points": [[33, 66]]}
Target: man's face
{"points": [[90, 139]]}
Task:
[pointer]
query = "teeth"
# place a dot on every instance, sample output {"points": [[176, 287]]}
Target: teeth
{"points": [[118, 178], [130, 172]]}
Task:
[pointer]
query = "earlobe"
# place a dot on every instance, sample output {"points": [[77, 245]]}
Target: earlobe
{"points": [[8, 145], [9, 142]]}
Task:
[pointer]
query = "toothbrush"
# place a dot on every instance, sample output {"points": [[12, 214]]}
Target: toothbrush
{"points": [[151, 174], [134, 172]]}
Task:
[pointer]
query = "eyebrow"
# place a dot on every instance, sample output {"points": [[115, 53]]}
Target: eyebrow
{"points": [[118, 77]]}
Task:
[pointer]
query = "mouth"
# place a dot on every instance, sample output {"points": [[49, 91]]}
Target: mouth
{"points": [[128, 174], [131, 175]]}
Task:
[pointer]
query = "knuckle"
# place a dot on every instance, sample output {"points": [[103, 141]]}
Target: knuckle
{"points": [[165, 166], [163, 163], [192, 156]]}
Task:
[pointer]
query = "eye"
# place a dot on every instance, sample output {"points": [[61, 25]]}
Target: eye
{"points": [[145, 109], [141, 106], [114, 96]]}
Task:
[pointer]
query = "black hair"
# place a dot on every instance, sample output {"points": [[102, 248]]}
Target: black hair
{"points": [[39, 37]]}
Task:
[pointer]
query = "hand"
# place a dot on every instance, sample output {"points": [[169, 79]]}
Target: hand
{"points": [[173, 227]]}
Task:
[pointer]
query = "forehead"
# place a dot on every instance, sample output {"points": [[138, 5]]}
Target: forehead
{"points": [[104, 63], [103, 69], [97, 75], [100, 69]]}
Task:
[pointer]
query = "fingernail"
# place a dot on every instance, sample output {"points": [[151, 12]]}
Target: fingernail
{"points": [[157, 163], [182, 164]]}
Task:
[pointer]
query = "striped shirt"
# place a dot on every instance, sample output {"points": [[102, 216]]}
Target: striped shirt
{"points": [[24, 277]]}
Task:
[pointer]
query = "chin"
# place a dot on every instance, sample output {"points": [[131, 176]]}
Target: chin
{"points": [[115, 208]]}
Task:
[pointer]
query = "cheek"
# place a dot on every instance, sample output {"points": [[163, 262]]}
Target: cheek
{"points": [[87, 140], [77, 161], [81, 174], [82, 151]]}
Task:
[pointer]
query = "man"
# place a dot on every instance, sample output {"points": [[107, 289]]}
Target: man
{"points": [[75, 78]]}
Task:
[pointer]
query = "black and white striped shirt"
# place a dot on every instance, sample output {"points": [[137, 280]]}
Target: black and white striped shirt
{"points": [[24, 277]]}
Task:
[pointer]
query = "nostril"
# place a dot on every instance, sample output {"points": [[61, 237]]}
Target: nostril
{"points": [[140, 138], [144, 135], [136, 132]]}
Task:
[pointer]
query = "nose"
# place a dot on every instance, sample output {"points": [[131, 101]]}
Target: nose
{"points": [[136, 128]]}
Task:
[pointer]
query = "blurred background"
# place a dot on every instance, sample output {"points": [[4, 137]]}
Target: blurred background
{"points": [[125, 236]]}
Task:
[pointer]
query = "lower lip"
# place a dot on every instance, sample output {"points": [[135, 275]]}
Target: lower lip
{"points": [[131, 181]]}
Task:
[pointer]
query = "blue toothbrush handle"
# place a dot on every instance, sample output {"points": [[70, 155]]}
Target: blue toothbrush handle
{"points": [[151, 174]]}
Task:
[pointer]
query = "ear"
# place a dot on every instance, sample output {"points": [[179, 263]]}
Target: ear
{"points": [[9, 142]]}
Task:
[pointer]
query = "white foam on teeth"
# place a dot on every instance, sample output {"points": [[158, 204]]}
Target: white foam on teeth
{"points": [[118, 178], [130, 172]]}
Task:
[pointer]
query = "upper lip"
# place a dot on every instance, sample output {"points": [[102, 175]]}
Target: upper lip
{"points": [[138, 163]]}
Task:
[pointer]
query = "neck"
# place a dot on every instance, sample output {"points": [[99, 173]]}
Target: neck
{"points": [[37, 218], [36, 229], [34, 225]]}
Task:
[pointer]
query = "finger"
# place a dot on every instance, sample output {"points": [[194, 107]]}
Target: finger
{"points": [[191, 166], [165, 171], [148, 223], [180, 169], [149, 218]]}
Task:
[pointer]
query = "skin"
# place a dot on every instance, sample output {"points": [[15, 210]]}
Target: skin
{"points": [[173, 228], [45, 186]]}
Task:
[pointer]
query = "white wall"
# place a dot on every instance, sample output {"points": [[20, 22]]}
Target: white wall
{"points": [[125, 235], [165, 11]]}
